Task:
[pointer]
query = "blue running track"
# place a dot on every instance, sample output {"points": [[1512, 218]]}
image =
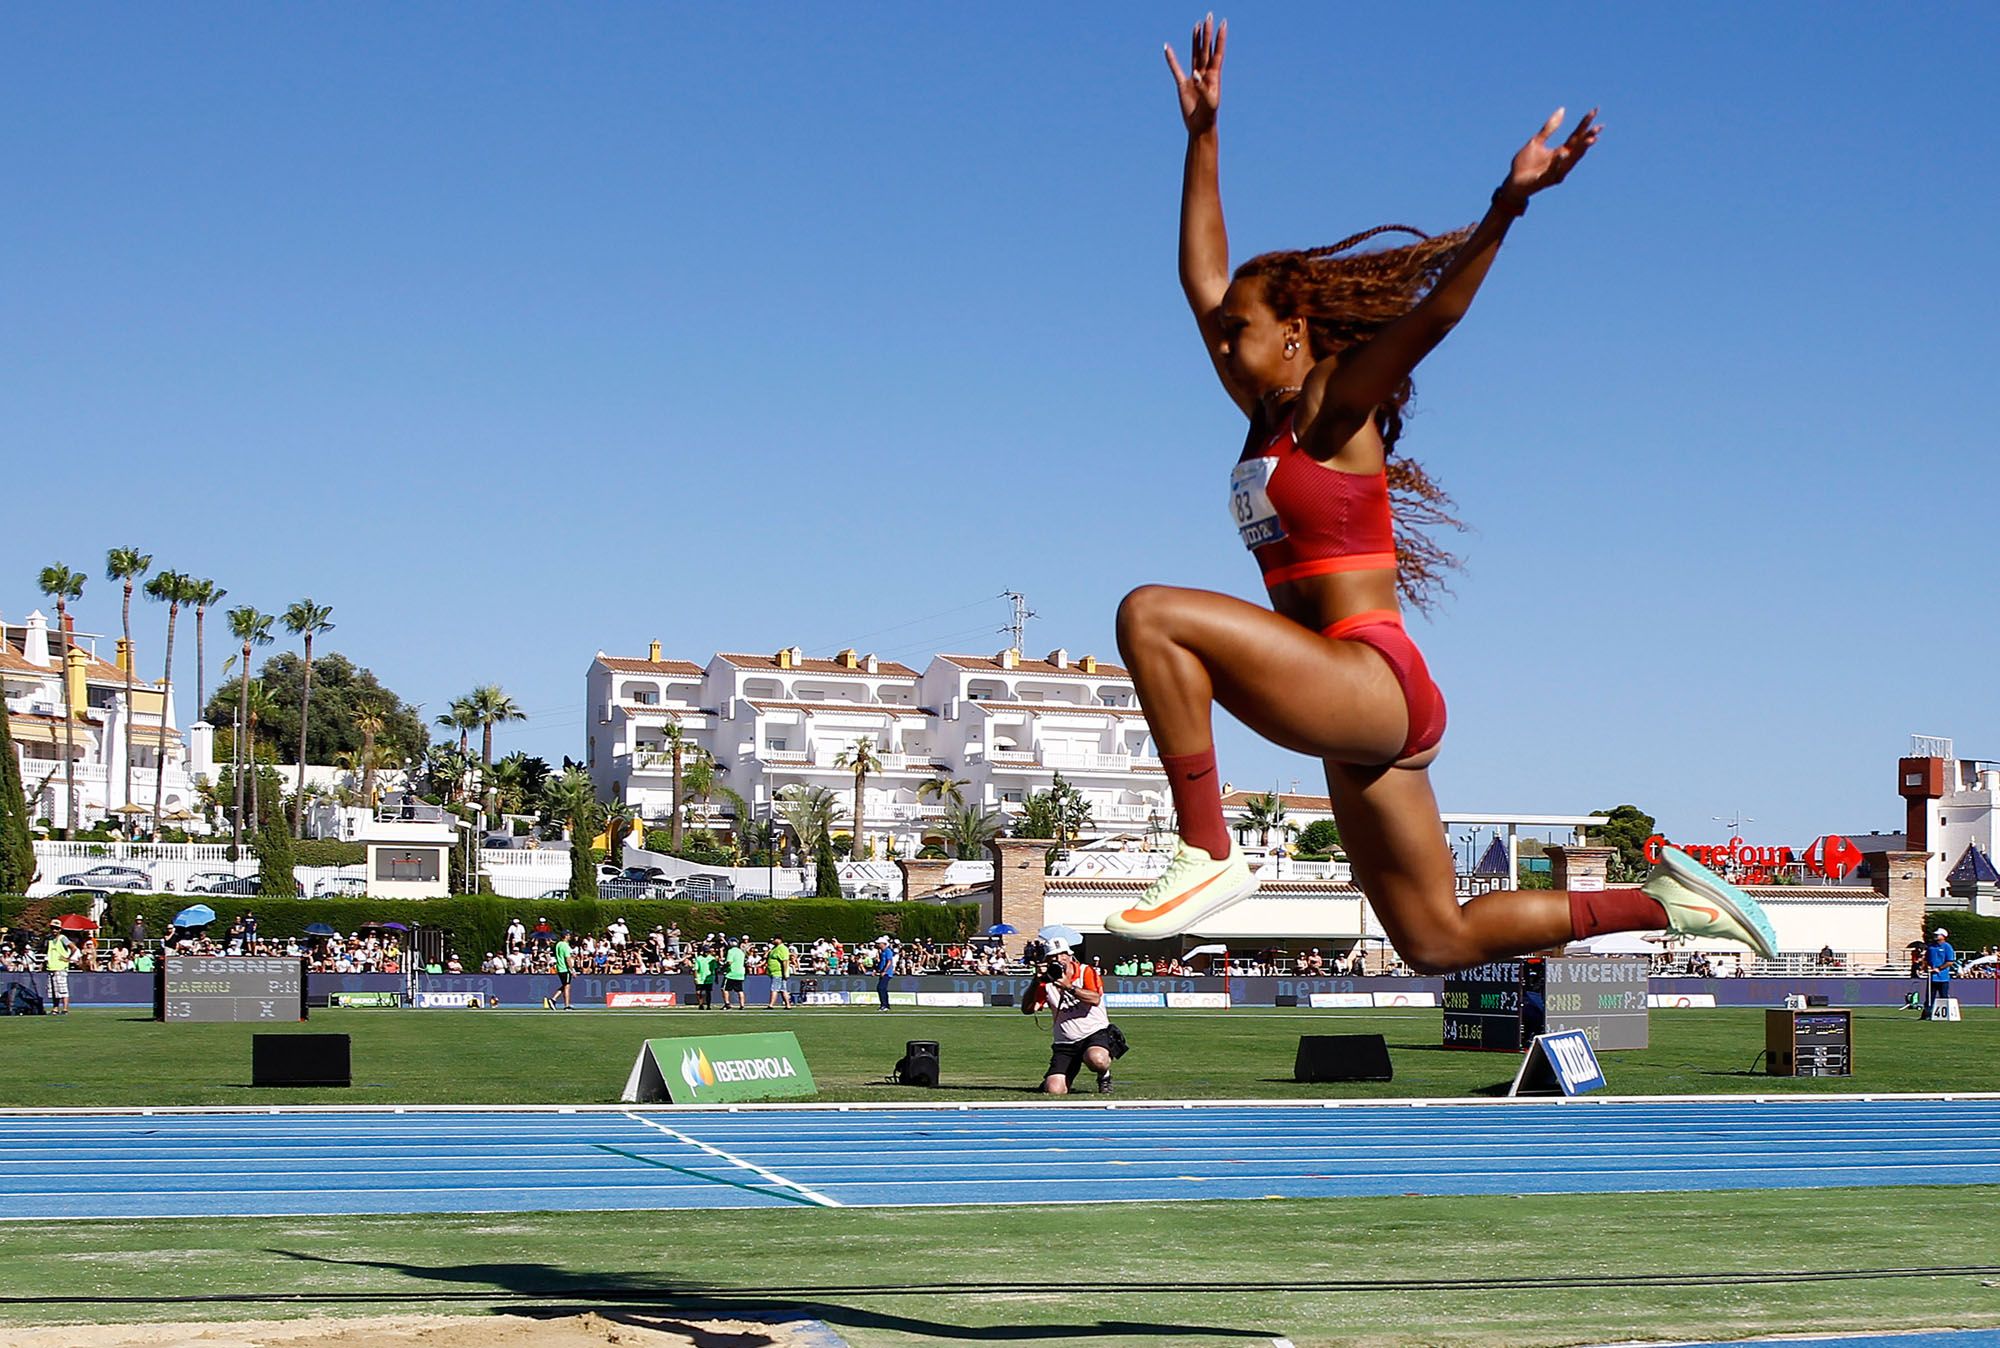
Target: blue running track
{"points": [[264, 1164]]}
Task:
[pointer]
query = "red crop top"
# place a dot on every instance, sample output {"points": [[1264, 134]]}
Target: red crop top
{"points": [[1302, 518]]}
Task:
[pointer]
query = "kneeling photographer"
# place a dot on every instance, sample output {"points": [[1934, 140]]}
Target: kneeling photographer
{"points": [[1084, 1034]]}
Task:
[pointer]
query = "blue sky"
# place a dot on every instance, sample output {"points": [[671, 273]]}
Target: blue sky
{"points": [[514, 332]]}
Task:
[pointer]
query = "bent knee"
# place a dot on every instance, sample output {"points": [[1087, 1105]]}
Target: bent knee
{"points": [[1056, 1086], [1141, 612]]}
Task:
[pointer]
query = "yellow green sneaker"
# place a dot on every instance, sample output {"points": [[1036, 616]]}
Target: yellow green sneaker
{"points": [[1195, 886], [1701, 903]]}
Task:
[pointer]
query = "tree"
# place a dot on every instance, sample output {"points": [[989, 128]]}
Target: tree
{"points": [[17, 845], [172, 589], [1264, 813], [826, 869], [65, 586], [253, 629], [305, 619], [462, 717], [518, 779], [127, 565], [1061, 812], [204, 593], [444, 771], [968, 828], [1319, 839], [370, 723], [342, 694], [677, 745], [274, 858], [700, 778], [572, 799], [492, 707], [1626, 828], [809, 811], [859, 756], [944, 789]]}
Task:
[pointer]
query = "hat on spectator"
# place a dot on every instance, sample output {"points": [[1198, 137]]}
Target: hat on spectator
{"points": [[1940, 932]]}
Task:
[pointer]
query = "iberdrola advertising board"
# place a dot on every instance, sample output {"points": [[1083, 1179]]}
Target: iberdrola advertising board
{"points": [[720, 1069]]}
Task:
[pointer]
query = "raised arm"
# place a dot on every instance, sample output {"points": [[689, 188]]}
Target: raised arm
{"points": [[1340, 395], [1204, 259]]}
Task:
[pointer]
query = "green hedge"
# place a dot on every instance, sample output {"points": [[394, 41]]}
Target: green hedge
{"points": [[479, 924], [1970, 933], [328, 852]]}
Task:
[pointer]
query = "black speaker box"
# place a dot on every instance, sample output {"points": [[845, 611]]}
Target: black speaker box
{"points": [[1343, 1057], [919, 1063], [300, 1060], [1003, 999], [1818, 999], [1287, 999]]}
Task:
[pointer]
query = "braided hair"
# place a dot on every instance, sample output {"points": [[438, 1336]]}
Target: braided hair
{"points": [[1345, 301]]}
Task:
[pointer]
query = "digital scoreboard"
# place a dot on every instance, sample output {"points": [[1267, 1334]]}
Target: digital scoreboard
{"points": [[229, 987], [1501, 1006], [1808, 1043]]}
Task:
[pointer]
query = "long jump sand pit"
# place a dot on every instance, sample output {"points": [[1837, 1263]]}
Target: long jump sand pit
{"points": [[627, 1329]]}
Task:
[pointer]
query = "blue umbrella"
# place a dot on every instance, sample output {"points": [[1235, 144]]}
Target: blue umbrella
{"points": [[1001, 929], [321, 929], [195, 915], [1070, 934]]}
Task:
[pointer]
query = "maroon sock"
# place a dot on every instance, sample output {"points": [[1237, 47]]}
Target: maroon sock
{"points": [[1594, 912], [1198, 800]]}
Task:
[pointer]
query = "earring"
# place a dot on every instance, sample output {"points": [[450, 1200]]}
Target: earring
{"points": [[1291, 348]]}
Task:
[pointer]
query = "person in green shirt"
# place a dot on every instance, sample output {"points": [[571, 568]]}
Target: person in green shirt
{"points": [[564, 956], [738, 960], [704, 979], [778, 964], [56, 960]]}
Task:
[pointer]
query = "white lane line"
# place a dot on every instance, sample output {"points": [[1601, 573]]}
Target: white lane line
{"points": [[771, 1175]]}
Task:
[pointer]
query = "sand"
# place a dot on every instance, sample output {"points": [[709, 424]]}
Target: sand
{"points": [[634, 1329]]}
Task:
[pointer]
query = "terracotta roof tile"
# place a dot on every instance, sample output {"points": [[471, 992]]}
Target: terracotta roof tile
{"points": [[1291, 800], [986, 664], [621, 665], [884, 669]]}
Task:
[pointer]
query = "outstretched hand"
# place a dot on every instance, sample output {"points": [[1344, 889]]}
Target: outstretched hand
{"points": [[1540, 165], [1201, 91]]}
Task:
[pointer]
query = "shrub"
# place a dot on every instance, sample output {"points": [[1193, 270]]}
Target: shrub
{"points": [[328, 852], [704, 849], [1319, 839]]}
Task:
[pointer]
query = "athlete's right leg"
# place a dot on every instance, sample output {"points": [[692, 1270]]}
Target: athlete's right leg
{"points": [[1390, 830]]}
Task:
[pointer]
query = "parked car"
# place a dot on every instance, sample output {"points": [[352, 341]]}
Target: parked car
{"points": [[624, 889], [607, 871], [110, 877], [644, 874], [213, 882], [341, 886], [553, 894]]}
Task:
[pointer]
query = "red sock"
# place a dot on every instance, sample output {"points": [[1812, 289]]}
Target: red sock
{"points": [[1594, 912], [1198, 800]]}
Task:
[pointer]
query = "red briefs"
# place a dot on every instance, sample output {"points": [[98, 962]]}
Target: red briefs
{"points": [[1382, 629]]}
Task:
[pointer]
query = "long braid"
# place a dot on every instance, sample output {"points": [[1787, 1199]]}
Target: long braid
{"points": [[1345, 301]]}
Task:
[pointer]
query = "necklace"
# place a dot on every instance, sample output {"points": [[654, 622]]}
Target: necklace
{"points": [[1280, 392]]}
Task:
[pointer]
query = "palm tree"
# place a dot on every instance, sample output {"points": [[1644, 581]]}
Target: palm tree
{"points": [[809, 810], [370, 724], [260, 706], [462, 717], [944, 789], [127, 564], [65, 586], [204, 593], [492, 707], [859, 756], [173, 589], [305, 619], [677, 745], [572, 799], [1263, 813], [968, 828], [701, 780], [253, 629]]}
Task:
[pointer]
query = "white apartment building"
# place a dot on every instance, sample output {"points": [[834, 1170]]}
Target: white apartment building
{"points": [[50, 677], [1000, 725]]}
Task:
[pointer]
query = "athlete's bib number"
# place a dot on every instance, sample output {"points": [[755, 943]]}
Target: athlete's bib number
{"points": [[1250, 502]]}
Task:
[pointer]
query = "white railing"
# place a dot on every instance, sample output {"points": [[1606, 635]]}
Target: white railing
{"points": [[549, 856], [1086, 760], [1010, 758]]}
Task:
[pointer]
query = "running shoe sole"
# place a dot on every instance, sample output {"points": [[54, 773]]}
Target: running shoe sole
{"points": [[1183, 918], [1684, 872]]}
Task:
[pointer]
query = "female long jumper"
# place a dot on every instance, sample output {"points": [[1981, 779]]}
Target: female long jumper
{"points": [[1317, 348]]}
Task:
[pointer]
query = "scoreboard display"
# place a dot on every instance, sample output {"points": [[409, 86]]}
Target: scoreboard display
{"points": [[229, 987], [1808, 1043], [1501, 1006]]}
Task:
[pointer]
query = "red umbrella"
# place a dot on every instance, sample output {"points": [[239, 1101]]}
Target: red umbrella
{"points": [[75, 922]]}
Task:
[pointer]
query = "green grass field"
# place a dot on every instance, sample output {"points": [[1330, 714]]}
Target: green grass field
{"points": [[1379, 1271], [97, 1058]]}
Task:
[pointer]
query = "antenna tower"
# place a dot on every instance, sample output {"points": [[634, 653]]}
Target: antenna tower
{"points": [[1017, 630]]}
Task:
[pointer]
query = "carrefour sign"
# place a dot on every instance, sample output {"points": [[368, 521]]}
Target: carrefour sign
{"points": [[1832, 856], [720, 1069]]}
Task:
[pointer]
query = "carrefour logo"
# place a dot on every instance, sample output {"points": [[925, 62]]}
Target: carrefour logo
{"points": [[698, 1069]]}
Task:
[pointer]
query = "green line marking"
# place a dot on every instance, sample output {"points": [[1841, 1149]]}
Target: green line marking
{"points": [[704, 1175]]}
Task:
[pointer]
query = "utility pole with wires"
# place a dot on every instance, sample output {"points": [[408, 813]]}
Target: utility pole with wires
{"points": [[1017, 630]]}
